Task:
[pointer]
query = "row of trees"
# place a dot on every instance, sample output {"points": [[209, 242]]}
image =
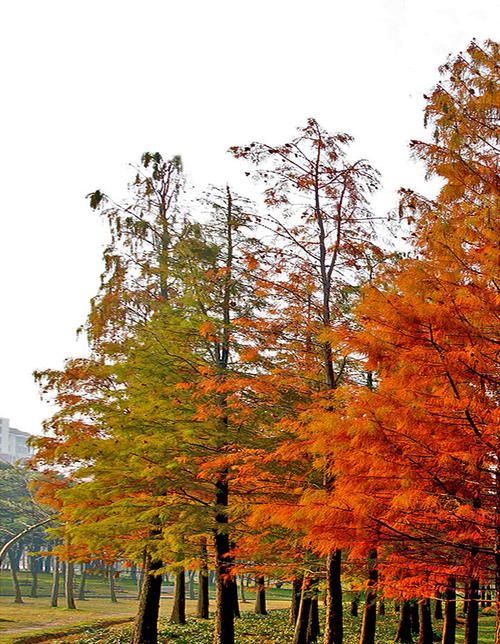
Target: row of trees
{"points": [[271, 390]]}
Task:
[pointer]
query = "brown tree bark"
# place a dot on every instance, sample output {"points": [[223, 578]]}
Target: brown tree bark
{"points": [[146, 621], [471, 618], [242, 590], [81, 585], [312, 633], [224, 616], [54, 591], [450, 613], [18, 598], [203, 602], [178, 615], [112, 584], [296, 594], [334, 628], [370, 609], [302, 623], [425, 635], [260, 596], [414, 617], [33, 562], [404, 632], [68, 586]]}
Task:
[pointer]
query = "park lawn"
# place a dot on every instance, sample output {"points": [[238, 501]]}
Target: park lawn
{"points": [[251, 629], [95, 585], [36, 616]]}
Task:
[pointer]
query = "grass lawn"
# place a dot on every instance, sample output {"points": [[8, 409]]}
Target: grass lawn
{"points": [[35, 617]]}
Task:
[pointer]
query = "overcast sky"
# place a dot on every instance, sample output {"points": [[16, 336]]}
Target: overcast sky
{"points": [[87, 86]]}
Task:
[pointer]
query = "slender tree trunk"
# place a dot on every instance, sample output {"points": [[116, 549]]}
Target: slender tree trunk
{"points": [[425, 635], [34, 576], [146, 621], [497, 554], [381, 607], [203, 604], [313, 621], [178, 615], [404, 633], [133, 574], [450, 613], [81, 585], [465, 605], [296, 594], [54, 591], [438, 609], [18, 598], [68, 586], [242, 590], [302, 623], [334, 629], [415, 617], [112, 584], [471, 619], [224, 616], [354, 607], [370, 609], [191, 593], [260, 596], [140, 582], [234, 593]]}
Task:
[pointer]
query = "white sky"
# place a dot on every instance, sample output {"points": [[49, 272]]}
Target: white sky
{"points": [[87, 86]]}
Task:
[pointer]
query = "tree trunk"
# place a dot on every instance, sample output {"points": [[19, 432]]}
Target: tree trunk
{"points": [[234, 593], [178, 615], [112, 584], [203, 602], [404, 633], [68, 586], [18, 598], [334, 630], [296, 594], [54, 591], [415, 617], [146, 621], [83, 579], [302, 623], [354, 607], [260, 596], [465, 604], [191, 593], [242, 589], [140, 582], [34, 576], [370, 609], [224, 616], [438, 609], [471, 619], [425, 635], [313, 621], [381, 607], [133, 574], [450, 613]]}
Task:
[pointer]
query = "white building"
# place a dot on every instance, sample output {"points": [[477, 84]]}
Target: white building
{"points": [[13, 445]]}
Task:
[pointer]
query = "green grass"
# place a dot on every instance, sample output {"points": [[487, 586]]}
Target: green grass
{"points": [[256, 629], [95, 586]]}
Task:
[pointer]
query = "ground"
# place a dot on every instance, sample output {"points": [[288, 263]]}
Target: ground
{"points": [[92, 619]]}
